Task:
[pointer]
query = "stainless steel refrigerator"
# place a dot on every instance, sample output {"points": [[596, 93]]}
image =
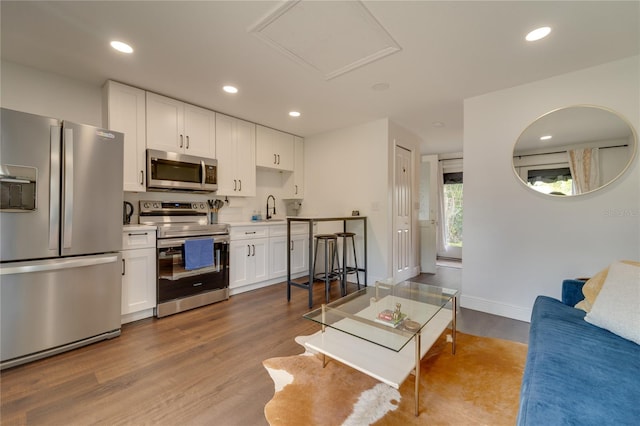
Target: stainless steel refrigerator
{"points": [[60, 233]]}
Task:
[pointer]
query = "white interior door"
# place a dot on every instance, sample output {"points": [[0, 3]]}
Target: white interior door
{"points": [[428, 217], [402, 257]]}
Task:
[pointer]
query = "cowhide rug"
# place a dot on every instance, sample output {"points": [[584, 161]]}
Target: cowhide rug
{"points": [[479, 385]]}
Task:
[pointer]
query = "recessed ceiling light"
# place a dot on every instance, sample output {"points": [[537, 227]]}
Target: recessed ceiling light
{"points": [[294, 114], [230, 89], [121, 47], [545, 138], [379, 87], [538, 34], [437, 124]]}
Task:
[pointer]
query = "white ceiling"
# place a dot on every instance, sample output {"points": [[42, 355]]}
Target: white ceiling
{"points": [[449, 51]]}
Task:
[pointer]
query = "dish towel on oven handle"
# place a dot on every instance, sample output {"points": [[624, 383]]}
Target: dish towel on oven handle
{"points": [[198, 253]]}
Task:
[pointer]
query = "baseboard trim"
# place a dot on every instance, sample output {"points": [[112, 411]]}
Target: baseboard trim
{"points": [[496, 308], [136, 316]]}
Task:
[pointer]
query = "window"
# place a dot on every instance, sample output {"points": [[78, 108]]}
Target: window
{"points": [[552, 179], [453, 208]]}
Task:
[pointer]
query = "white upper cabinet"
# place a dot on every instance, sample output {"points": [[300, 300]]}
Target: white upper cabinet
{"points": [[236, 155], [294, 183], [125, 112], [175, 126], [274, 149]]}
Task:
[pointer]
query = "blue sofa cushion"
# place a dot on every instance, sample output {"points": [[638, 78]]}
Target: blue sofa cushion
{"points": [[577, 373], [572, 292]]}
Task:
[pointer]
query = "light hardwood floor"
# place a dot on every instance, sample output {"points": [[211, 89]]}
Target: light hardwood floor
{"points": [[198, 367]]}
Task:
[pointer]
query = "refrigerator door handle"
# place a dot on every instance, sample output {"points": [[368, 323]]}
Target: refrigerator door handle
{"points": [[54, 188], [53, 265], [68, 188]]}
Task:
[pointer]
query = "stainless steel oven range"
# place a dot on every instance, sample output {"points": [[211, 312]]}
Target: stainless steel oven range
{"points": [[192, 255]]}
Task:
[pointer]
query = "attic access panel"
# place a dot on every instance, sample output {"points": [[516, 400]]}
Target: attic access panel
{"points": [[332, 37]]}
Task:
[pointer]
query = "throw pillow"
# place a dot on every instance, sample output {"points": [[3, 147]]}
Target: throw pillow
{"points": [[592, 287], [617, 307]]}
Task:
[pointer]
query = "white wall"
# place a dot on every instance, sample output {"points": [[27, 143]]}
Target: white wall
{"points": [[38, 92], [348, 170], [519, 244], [352, 169]]}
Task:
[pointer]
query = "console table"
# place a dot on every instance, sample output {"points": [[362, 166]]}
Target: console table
{"points": [[308, 285]]}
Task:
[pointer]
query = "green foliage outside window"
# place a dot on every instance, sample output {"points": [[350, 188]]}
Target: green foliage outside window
{"points": [[559, 187], [453, 213]]}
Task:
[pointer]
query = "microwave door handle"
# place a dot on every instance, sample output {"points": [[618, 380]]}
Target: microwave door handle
{"points": [[203, 173]]}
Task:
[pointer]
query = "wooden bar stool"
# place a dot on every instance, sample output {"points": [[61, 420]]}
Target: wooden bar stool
{"points": [[330, 252], [346, 270]]}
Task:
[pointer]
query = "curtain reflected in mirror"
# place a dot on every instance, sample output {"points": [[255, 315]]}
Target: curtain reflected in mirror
{"points": [[574, 150]]}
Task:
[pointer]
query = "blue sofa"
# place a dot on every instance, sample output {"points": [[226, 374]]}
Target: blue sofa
{"points": [[577, 373]]}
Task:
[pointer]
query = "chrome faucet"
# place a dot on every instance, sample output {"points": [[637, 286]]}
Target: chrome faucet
{"points": [[274, 206]]}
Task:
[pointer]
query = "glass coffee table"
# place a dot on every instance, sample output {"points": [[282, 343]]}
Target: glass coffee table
{"points": [[370, 330]]}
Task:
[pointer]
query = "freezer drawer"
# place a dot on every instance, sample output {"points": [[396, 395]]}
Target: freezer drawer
{"points": [[52, 303]]}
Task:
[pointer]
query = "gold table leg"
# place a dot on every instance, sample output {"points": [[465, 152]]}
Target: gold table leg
{"points": [[453, 325], [417, 380]]}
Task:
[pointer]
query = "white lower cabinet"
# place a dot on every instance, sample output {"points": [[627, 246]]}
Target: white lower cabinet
{"points": [[138, 273], [258, 255], [249, 260], [299, 255], [249, 256]]}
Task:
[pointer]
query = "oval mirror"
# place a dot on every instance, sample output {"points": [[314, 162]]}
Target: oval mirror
{"points": [[574, 150]]}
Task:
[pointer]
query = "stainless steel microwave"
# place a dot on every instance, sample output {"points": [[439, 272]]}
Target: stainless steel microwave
{"points": [[167, 171]]}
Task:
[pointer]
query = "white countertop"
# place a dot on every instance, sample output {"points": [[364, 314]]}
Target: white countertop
{"points": [[259, 223]]}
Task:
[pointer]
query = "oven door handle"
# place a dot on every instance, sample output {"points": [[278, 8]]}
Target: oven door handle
{"points": [[173, 242]]}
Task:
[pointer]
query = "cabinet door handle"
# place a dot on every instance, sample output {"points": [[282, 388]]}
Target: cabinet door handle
{"points": [[292, 242], [240, 186], [235, 184], [275, 159], [187, 141], [131, 234], [278, 158], [254, 249], [249, 232], [296, 189], [141, 177], [123, 268], [181, 141], [248, 250]]}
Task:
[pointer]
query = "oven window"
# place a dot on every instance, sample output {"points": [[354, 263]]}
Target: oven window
{"points": [[175, 171], [174, 281]]}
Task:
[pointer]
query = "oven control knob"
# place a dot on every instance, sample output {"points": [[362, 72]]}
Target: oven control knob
{"points": [[156, 205], [202, 205], [146, 205]]}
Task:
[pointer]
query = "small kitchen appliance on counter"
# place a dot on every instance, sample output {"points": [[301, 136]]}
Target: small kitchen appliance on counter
{"points": [[127, 212], [192, 255], [293, 206]]}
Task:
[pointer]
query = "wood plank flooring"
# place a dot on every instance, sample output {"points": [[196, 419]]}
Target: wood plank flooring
{"points": [[198, 367]]}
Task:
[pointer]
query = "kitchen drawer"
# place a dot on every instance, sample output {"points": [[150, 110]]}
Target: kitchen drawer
{"points": [[248, 232], [296, 229], [138, 238]]}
